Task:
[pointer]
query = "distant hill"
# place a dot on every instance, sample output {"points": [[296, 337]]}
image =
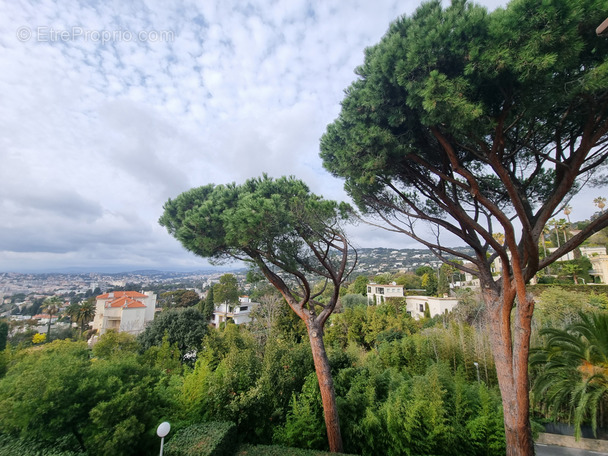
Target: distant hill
{"points": [[371, 261], [379, 260]]}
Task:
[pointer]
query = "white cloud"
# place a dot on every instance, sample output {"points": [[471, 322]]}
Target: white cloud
{"points": [[95, 136]]}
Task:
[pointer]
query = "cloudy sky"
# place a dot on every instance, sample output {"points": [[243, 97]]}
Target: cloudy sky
{"points": [[110, 108]]}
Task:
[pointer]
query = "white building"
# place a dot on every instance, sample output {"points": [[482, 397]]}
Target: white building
{"points": [[124, 311], [239, 313], [376, 292], [586, 251], [415, 305], [599, 264], [597, 256]]}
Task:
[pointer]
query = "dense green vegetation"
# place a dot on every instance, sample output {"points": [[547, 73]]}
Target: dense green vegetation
{"points": [[572, 376], [205, 439], [403, 386]]}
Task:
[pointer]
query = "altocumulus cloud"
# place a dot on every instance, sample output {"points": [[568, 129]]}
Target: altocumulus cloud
{"points": [[96, 134]]}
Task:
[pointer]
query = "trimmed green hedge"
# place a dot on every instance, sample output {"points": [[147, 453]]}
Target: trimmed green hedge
{"points": [[266, 450], [11, 446], [593, 289], [203, 439]]}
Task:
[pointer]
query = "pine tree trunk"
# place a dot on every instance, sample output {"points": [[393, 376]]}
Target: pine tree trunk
{"points": [[510, 347], [326, 385]]}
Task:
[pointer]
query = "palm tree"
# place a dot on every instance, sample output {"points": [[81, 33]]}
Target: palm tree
{"points": [[73, 311], [87, 312], [555, 224], [563, 225], [572, 269], [82, 312], [542, 238], [573, 370], [51, 307], [568, 211]]}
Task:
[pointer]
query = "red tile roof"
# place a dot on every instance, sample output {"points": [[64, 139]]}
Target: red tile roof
{"points": [[126, 303], [120, 294]]}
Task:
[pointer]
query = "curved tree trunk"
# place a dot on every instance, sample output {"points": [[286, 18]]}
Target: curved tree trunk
{"points": [[326, 385], [510, 347]]}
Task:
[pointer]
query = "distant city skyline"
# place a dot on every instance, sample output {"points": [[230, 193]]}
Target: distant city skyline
{"points": [[110, 109]]}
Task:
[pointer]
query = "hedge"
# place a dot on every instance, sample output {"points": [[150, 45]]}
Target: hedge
{"points": [[274, 450], [203, 439], [589, 288], [11, 446]]}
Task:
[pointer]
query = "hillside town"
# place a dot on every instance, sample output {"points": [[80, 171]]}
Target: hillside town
{"points": [[21, 295]]}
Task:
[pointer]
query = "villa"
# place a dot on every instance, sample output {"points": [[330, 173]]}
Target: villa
{"points": [[124, 311], [415, 305], [238, 313]]}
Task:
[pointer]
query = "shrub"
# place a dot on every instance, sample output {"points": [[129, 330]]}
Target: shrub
{"points": [[10, 446], [275, 450], [203, 439], [304, 427]]}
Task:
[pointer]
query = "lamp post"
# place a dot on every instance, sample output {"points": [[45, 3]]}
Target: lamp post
{"points": [[162, 431], [476, 364]]}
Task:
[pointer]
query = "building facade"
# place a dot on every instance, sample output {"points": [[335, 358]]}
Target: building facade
{"points": [[376, 293], [124, 311], [415, 305], [599, 264], [238, 313]]}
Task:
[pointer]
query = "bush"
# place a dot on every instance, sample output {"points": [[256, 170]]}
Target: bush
{"points": [[274, 450], [203, 439], [595, 289], [353, 300], [305, 426], [10, 446], [184, 328]]}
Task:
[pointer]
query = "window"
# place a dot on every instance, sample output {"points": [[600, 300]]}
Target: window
{"points": [[421, 307], [243, 308], [380, 290]]}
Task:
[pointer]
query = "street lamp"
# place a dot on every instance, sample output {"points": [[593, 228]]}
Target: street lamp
{"points": [[162, 431], [476, 364]]}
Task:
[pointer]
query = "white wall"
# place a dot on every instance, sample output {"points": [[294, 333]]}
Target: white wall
{"points": [[437, 306], [133, 320], [150, 303]]}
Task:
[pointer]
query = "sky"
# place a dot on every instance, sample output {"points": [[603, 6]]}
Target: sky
{"points": [[111, 108]]}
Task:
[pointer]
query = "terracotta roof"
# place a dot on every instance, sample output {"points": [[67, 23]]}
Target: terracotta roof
{"points": [[120, 294], [126, 303]]}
